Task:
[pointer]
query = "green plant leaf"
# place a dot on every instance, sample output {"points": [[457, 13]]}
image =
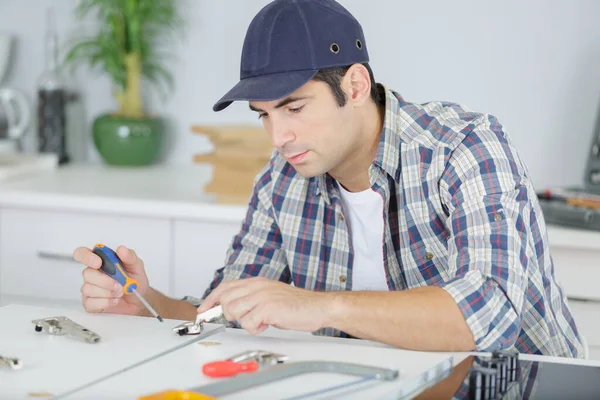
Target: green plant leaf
{"points": [[126, 27], [157, 75]]}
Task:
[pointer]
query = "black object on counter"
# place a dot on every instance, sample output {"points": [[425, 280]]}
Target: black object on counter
{"points": [[482, 384], [52, 123], [506, 376], [52, 99]]}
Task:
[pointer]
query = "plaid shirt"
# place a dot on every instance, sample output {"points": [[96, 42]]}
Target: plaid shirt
{"points": [[460, 213]]}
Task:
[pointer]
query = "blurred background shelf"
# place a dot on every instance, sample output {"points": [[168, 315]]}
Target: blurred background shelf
{"points": [[240, 152], [19, 164]]}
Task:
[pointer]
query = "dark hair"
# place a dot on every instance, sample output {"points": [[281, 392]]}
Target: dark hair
{"points": [[333, 76]]}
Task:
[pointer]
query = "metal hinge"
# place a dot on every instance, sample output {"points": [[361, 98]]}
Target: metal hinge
{"points": [[197, 326], [10, 363], [63, 326], [263, 358]]}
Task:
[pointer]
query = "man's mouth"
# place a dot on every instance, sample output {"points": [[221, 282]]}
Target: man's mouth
{"points": [[297, 158]]}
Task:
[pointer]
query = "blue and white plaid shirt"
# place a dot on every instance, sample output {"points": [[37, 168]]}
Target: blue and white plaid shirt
{"points": [[461, 214]]}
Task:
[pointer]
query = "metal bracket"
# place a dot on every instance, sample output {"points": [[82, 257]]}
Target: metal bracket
{"points": [[190, 328], [197, 327], [11, 363], [263, 358], [284, 371], [63, 326]]}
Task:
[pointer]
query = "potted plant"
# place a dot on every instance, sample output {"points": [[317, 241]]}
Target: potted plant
{"points": [[126, 48]]}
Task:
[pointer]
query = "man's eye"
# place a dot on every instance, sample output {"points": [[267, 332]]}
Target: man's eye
{"points": [[262, 115], [297, 109]]}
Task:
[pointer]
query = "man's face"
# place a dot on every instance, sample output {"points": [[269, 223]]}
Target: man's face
{"points": [[309, 128]]}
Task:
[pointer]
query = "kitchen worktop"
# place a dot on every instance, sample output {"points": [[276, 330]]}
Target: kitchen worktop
{"points": [[153, 191], [151, 358]]}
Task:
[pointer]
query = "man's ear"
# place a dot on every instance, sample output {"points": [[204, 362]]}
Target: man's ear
{"points": [[358, 84]]}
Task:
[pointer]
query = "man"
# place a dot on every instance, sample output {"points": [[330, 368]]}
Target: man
{"points": [[413, 225]]}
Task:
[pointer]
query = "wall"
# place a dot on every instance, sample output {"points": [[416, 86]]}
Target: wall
{"points": [[534, 64]]}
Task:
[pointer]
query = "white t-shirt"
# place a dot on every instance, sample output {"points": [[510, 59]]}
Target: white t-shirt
{"points": [[364, 216]]}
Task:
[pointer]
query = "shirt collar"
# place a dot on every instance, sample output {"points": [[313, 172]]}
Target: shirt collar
{"points": [[388, 151]]}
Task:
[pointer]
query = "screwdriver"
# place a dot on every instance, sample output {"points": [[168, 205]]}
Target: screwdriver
{"points": [[113, 267]]}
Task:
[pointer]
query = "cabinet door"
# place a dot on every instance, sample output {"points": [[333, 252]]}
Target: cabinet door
{"points": [[578, 271], [594, 353], [576, 256], [199, 250], [36, 249], [587, 318]]}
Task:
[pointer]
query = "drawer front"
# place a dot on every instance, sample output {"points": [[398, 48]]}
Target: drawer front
{"points": [[594, 353], [200, 249], [36, 249], [578, 271], [587, 318]]}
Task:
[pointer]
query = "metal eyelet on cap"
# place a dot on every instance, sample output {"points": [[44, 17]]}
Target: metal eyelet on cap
{"points": [[334, 48], [358, 44]]}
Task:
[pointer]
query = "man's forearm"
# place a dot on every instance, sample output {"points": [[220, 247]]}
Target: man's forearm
{"points": [[425, 318], [169, 308]]}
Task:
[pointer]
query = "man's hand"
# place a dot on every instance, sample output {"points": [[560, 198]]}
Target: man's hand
{"points": [[256, 303], [101, 293]]}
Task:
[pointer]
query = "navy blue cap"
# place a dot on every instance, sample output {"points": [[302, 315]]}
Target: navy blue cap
{"points": [[288, 42]]}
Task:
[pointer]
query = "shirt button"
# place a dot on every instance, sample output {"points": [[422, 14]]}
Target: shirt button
{"points": [[429, 256], [343, 278], [341, 217], [497, 217]]}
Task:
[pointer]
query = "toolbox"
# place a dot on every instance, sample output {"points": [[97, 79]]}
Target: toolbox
{"points": [[577, 207]]}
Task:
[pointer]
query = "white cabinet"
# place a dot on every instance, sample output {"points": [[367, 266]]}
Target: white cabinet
{"points": [[36, 249], [199, 250], [587, 318], [576, 256], [578, 271]]}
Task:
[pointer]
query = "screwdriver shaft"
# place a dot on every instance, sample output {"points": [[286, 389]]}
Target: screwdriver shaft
{"points": [[148, 306]]}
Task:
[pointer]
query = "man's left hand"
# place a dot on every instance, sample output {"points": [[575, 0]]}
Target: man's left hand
{"points": [[257, 303]]}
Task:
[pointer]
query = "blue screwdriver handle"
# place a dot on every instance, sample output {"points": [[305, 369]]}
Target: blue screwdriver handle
{"points": [[113, 267]]}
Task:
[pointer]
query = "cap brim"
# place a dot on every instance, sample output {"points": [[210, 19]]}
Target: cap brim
{"points": [[266, 87]]}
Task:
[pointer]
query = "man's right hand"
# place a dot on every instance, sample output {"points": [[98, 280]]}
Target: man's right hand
{"points": [[101, 293]]}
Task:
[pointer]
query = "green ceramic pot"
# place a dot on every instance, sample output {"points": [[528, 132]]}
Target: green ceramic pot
{"points": [[127, 141]]}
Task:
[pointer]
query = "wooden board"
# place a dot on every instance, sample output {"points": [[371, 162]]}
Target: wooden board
{"points": [[241, 151], [241, 164], [249, 138], [232, 132]]}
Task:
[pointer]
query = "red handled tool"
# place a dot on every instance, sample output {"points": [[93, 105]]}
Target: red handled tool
{"points": [[225, 368], [248, 361]]}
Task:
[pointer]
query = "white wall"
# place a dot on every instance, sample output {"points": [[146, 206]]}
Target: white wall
{"points": [[535, 64]]}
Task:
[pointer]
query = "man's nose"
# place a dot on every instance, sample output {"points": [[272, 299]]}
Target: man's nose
{"points": [[280, 135]]}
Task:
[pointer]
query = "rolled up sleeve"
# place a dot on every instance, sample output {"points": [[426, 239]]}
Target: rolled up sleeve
{"points": [[257, 249], [485, 191]]}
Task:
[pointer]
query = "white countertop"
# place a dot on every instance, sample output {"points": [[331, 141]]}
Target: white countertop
{"points": [[138, 355], [154, 191], [56, 364]]}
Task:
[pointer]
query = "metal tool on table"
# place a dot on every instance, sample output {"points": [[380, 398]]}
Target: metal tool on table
{"points": [[197, 326], [248, 361], [274, 374], [10, 363], [113, 267], [63, 326]]}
